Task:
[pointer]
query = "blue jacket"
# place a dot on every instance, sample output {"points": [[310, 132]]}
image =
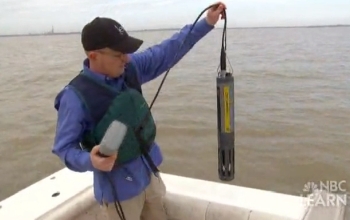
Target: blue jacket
{"points": [[133, 178]]}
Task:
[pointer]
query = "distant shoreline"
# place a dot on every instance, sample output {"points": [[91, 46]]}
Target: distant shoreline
{"points": [[174, 29]]}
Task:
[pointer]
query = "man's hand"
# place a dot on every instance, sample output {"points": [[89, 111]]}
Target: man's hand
{"points": [[102, 163], [215, 13]]}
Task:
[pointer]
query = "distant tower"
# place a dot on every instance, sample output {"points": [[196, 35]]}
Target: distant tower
{"points": [[52, 30]]}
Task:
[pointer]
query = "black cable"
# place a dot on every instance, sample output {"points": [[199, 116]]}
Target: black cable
{"points": [[223, 48], [117, 204]]}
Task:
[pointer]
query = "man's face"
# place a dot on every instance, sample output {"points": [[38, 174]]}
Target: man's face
{"points": [[108, 62]]}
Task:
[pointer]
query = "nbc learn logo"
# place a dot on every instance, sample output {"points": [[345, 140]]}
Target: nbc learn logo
{"points": [[336, 196]]}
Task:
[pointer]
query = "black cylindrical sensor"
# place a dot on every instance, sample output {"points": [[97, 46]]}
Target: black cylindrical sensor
{"points": [[226, 126]]}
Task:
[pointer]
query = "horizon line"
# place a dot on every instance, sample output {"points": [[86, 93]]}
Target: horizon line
{"points": [[169, 29]]}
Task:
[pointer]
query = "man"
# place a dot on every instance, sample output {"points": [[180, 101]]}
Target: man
{"points": [[112, 67]]}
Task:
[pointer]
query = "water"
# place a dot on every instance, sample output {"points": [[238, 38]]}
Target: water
{"points": [[292, 106]]}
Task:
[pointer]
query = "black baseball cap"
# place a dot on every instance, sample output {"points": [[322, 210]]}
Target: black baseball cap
{"points": [[107, 33]]}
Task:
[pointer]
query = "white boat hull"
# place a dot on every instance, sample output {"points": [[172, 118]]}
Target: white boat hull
{"points": [[68, 195]]}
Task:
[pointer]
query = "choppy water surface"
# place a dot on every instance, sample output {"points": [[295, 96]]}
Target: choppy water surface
{"points": [[292, 106]]}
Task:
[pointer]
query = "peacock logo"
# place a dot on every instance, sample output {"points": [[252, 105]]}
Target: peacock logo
{"points": [[310, 187]]}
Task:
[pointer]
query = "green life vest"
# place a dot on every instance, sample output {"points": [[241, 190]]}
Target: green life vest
{"points": [[128, 106]]}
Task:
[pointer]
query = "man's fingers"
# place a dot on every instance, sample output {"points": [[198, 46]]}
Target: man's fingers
{"points": [[221, 7], [218, 8], [106, 164], [114, 156], [95, 150], [110, 163]]}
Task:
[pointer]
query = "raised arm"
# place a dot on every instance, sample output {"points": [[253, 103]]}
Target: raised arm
{"points": [[69, 131], [157, 59]]}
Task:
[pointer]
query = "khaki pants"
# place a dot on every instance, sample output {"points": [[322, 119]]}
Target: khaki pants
{"points": [[148, 205]]}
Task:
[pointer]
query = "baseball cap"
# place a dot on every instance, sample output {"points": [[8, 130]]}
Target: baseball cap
{"points": [[107, 33]]}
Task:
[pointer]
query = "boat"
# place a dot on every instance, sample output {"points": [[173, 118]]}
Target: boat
{"points": [[68, 195]]}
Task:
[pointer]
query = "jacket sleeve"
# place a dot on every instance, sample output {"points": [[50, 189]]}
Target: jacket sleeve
{"points": [[157, 59], [69, 130]]}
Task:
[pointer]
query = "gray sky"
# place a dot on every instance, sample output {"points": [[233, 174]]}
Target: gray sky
{"points": [[35, 16]]}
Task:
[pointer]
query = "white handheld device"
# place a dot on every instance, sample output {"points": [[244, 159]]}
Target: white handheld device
{"points": [[113, 138]]}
